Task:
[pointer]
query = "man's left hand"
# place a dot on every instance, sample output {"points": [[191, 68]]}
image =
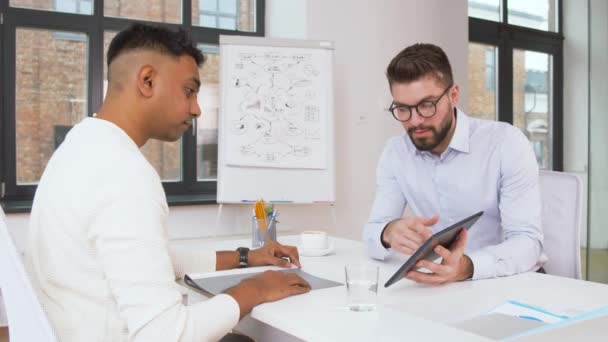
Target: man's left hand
{"points": [[455, 266], [273, 253]]}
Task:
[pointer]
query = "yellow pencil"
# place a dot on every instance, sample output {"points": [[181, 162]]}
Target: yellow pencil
{"points": [[260, 214]]}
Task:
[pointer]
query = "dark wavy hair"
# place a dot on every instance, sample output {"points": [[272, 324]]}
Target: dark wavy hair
{"points": [[420, 60]]}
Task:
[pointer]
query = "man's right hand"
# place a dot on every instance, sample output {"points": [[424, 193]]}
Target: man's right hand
{"points": [[407, 234], [269, 286]]}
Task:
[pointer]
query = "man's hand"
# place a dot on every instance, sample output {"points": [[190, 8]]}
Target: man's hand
{"points": [[273, 253], [266, 287], [407, 234], [455, 266]]}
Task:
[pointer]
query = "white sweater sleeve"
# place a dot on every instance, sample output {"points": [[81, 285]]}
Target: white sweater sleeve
{"points": [[192, 261], [130, 239]]}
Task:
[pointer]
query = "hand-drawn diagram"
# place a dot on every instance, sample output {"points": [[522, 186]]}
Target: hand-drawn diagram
{"points": [[275, 108]]}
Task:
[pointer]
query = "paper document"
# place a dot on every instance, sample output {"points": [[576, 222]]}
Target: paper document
{"points": [[509, 319], [219, 284], [525, 311], [497, 326]]}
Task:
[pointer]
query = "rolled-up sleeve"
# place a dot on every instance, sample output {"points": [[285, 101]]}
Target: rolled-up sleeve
{"points": [[388, 205], [130, 239], [520, 210]]}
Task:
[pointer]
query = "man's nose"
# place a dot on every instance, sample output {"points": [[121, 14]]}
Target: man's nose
{"points": [[416, 119]]}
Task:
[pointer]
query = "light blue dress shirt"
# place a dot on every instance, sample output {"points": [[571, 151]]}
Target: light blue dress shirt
{"points": [[488, 166]]}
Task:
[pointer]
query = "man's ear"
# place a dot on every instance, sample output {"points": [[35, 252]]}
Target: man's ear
{"points": [[455, 94], [146, 80]]}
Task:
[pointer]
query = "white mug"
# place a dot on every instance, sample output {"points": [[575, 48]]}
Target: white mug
{"points": [[314, 240]]}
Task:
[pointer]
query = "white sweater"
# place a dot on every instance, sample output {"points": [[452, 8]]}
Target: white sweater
{"points": [[98, 251]]}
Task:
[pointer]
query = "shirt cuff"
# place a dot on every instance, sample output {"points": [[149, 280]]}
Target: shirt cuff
{"points": [[483, 264], [216, 316], [373, 241]]}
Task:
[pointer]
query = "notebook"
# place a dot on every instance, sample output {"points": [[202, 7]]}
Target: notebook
{"points": [[218, 284]]}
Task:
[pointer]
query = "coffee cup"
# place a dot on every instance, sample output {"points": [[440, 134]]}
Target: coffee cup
{"points": [[314, 240]]}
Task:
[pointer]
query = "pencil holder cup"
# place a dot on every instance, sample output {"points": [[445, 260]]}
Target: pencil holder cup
{"points": [[260, 236]]}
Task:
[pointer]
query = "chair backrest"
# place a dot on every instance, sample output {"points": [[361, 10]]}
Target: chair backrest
{"points": [[27, 320], [562, 215]]}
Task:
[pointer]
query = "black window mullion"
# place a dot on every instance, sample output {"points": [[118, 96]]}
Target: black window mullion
{"points": [[505, 78], [260, 23], [558, 110], [2, 101], [189, 159], [187, 13], [12, 190], [118, 24], [3, 130], [188, 144], [49, 20], [484, 31], [95, 65], [9, 137]]}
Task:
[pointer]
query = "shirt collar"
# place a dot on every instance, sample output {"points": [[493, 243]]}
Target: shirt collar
{"points": [[460, 140]]}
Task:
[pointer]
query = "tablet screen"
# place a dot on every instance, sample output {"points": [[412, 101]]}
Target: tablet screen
{"points": [[427, 250]]}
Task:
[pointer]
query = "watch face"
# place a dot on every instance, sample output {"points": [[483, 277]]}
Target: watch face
{"points": [[243, 256]]}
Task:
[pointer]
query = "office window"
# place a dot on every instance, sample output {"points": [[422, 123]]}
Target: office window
{"points": [[74, 6], [53, 67], [490, 68], [482, 81], [51, 91], [523, 71], [531, 98], [486, 9], [207, 123], [236, 15], [65, 6], [164, 11], [536, 14]]}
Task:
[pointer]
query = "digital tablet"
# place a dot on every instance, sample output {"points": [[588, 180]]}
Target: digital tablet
{"points": [[427, 250]]}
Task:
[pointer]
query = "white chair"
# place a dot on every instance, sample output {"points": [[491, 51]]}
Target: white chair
{"points": [[562, 215], [27, 320]]}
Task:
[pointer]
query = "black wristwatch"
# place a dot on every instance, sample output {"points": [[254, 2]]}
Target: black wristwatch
{"points": [[243, 256]]}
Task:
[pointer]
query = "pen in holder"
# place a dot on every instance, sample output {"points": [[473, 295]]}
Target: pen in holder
{"points": [[260, 236]]}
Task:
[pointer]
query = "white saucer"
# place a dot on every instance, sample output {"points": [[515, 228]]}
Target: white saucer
{"points": [[316, 252]]}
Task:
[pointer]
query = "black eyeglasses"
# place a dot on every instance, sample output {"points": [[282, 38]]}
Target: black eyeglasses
{"points": [[426, 108]]}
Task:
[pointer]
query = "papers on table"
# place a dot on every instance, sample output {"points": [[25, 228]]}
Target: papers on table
{"points": [[514, 319]]}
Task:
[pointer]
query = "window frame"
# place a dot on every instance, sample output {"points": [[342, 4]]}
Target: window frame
{"points": [[218, 14], [77, 3], [18, 198], [507, 38]]}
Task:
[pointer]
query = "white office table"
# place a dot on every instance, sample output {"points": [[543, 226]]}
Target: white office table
{"points": [[406, 310]]}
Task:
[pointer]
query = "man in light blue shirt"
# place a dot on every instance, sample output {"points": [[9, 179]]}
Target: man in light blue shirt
{"points": [[447, 167]]}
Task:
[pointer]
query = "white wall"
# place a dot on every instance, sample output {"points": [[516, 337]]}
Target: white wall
{"points": [[576, 91], [598, 122], [367, 34]]}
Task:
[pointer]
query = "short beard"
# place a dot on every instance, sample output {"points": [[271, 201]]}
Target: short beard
{"points": [[438, 136]]}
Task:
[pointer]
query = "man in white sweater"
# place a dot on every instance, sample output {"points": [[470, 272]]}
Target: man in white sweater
{"points": [[98, 251]]}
